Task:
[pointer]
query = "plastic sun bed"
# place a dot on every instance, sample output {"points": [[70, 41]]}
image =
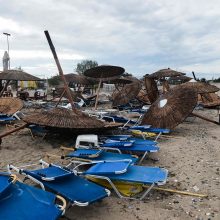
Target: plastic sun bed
{"points": [[6, 119], [131, 146], [125, 172], [150, 129], [20, 201], [75, 189], [95, 155]]}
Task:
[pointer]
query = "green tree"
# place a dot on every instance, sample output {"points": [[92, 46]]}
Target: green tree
{"points": [[54, 80], [85, 65]]}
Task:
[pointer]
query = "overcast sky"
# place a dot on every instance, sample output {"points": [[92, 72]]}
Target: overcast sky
{"points": [[142, 36]]}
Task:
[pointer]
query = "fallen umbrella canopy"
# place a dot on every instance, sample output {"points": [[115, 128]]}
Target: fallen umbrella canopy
{"points": [[171, 108], [10, 105]]}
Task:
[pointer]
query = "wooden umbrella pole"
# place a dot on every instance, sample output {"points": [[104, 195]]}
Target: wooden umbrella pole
{"points": [[5, 86], [61, 96], [204, 118], [59, 68], [97, 97]]}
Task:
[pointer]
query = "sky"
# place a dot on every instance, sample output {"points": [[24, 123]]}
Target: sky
{"points": [[142, 36]]}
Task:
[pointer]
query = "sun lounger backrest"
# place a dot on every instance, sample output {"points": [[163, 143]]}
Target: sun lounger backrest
{"points": [[87, 141]]}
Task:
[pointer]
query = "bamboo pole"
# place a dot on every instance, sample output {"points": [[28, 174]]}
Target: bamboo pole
{"points": [[204, 118], [61, 96], [97, 97], [178, 192], [66, 87]]}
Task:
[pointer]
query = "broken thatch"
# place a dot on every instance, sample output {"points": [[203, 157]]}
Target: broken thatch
{"points": [[165, 73], [17, 75], [199, 87], [9, 105], [104, 72], [151, 89], [75, 94], [143, 97], [64, 118], [180, 79], [209, 100], [128, 92], [171, 108]]}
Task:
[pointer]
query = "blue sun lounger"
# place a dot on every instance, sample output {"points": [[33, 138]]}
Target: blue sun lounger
{"points": [[75, 189], [20, 201], [95, 155], [124, 171], [151, 129], [4, 119]]}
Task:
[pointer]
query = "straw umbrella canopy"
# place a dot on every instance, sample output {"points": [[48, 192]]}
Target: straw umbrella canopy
{"points": [[199, 87], [77, 79], [103, 72], [143, 97], [151, 89], [64, 118], [180, 78], [171, 108], [160, 74], [75, 94], [10, 105], [17, 75], [128, 92]]}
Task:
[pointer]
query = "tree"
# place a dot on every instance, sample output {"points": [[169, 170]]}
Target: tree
{"points": [[54, 80], [85, 65]]}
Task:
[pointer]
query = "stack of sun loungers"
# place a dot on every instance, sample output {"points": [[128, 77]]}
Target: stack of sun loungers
{"points": [[93, 166]]}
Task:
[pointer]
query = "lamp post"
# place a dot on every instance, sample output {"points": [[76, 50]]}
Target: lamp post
{"points": [[7, 34]]}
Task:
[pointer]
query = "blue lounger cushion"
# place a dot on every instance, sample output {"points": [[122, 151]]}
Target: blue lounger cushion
{"points": [[85, 153], [151, 129], [5, 182], [106, 168], [115, 143], [103, 156], [138, 174], [72, 187], [22, 201], [137, 147]]}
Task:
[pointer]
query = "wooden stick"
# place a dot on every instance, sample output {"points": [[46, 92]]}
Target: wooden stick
{"points": [[66, 87], [204, 118], [97, 97], [61, 96], [177, 191]]}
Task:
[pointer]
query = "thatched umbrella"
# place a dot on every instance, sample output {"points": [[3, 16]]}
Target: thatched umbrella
{"points": [[9, 105], [143, 97], [17, 75], [128, 92], [75, 120], [61, 92], [64, 118], [161, 74], [171, 108], [103, 72], [151, 89], [199, 87], [179, 79]]}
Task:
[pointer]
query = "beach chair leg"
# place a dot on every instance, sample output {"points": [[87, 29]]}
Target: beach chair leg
{"points": [[147, 191], [142, 158], [158, 136]]}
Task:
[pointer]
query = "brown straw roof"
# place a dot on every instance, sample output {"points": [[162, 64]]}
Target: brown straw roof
{"points": [[104, 71], [171, 108], [151, 89], [17, 75], [77, 79], [10, 105], [200, 87], [128, 92], [64, 118], [165, 73], [143, 97], [180, 78], [75, 94], [121, 81]]}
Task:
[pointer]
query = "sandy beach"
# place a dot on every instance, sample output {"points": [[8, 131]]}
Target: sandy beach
{"points": [[192, 158]]}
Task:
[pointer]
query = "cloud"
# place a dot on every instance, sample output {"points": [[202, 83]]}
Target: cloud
{"points": [[142, 36]]}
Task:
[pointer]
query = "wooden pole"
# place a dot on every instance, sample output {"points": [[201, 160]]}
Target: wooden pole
{"points": [[66, 87], [4, 88], [204, 118], [178, 192], [97, 97], [61, 96]]}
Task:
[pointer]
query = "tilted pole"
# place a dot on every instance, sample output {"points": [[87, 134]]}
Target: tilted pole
{"points": [[66, 87]]}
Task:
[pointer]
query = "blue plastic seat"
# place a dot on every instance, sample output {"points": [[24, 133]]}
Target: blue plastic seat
{"points": [[20, 201], [75, 189]]}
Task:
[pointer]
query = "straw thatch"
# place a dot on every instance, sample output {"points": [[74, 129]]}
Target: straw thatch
{"points": [[9, 105], [151, 89], [171, 108], [209, 99], [64, 118], [143, 97], [17, 75], [121, 81], [165, 73], [104, 72], [128, 92], [199, 87], [75, 94], [77, 79]]}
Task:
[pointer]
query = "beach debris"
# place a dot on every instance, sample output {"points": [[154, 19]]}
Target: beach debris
{"points": [[10, 105]]}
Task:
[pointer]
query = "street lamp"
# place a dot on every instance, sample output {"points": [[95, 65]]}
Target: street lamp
{"points": [[7, 34]]}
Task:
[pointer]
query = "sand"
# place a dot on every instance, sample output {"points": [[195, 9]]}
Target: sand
{"points": [[192, 158]]}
